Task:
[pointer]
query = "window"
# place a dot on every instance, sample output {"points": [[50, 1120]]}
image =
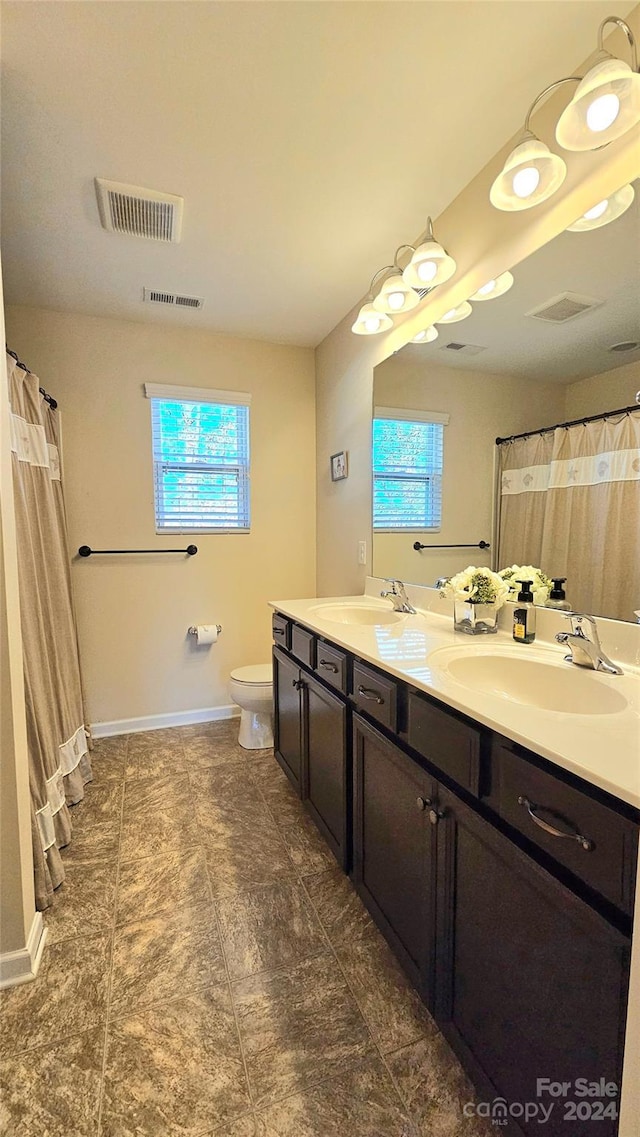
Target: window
{"points": [[407, 469], [200, 459]]}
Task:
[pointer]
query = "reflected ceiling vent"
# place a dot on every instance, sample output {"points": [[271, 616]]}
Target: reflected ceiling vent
{"points": [[567, 306], [463, 348], [139, 212], [626, 345], [174, 299]]}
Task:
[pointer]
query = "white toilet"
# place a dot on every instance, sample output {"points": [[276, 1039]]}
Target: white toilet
{"points": [[252, 689]]}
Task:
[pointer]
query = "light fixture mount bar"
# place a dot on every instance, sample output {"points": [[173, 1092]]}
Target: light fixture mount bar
{"points": [[538, 99], [628, 33]]}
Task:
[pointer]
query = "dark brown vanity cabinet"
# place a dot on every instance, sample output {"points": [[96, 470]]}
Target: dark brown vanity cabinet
{"points": [[311, 745], [505, 886], [393, 846], [326, 781], [287, 700], [530, 981]]}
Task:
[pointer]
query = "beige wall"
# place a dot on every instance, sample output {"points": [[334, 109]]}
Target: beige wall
{"points": [[484, 242], [133, 612], [604, 392], [482, 406]]}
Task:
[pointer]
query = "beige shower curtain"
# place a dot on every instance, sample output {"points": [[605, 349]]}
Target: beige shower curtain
{"points": [[570, 503], [59, 765]]}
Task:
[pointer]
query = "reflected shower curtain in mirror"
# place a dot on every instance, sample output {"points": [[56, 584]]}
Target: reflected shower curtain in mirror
{"points": [[59, 765], [569, 502]]}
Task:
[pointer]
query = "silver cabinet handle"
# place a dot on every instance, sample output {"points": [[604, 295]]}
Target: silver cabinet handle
{"points": [[530, 807], [278, 631], [328, 666], [367, 693]]}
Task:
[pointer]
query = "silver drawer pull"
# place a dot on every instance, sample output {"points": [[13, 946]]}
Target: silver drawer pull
{"points": [[328, 666], [584, 842], [367, 693], [278, 631]]}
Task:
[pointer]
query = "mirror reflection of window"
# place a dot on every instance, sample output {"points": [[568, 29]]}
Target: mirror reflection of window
{"points": [[407, 470]]}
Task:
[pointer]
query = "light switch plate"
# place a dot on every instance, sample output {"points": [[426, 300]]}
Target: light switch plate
{"points": [[362, 552]]}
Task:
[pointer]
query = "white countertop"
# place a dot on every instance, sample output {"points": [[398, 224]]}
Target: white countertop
{"points": [[604, 749]]}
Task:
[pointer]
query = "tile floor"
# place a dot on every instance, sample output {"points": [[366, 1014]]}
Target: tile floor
{"points": [[210, 971]]}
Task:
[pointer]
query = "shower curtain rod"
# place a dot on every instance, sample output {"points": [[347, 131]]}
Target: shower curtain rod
{"points": [[566, 425], [47, 398]]}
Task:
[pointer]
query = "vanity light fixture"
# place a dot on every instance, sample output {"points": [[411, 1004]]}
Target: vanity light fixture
{"points": [[531, 173], [395, 294], [428, 335], [605, 211], [455, 314], [607, 102], [494, 288], [430, 264], [370, 321]]}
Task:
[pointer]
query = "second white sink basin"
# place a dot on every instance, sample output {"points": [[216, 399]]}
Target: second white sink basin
{"points": [[368, 614], [532, 681]]}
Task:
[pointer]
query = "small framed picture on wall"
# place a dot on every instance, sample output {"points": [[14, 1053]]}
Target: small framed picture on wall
{"points": [[339, 466]]}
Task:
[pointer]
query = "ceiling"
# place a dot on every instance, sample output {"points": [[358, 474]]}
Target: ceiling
{"points": [[601, 264], [307, 139]]}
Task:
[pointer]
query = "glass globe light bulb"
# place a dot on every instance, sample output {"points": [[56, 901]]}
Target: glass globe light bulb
{"points": [[596, 211], [487, 288], [395, 300], [602, 112], [427, 270], [372, 323], [525, 182]]}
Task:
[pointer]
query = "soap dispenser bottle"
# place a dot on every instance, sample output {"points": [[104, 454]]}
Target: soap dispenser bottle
{"points": [[524, 615], [558, 596]]}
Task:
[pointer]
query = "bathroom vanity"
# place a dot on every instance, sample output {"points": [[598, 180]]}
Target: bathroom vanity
{"points": [[500, 870]]}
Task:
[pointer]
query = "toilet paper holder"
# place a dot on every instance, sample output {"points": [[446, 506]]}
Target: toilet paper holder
{"points": [[193, 631]]}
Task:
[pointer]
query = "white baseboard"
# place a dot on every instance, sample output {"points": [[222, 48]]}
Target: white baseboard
{"points": [[157, 722], [22, 965]]}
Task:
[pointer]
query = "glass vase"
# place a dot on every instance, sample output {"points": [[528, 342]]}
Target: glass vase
{"points": [[475, 619]]}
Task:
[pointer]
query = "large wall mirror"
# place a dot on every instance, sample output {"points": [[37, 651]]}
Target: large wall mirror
{"points": [[562, 344]]}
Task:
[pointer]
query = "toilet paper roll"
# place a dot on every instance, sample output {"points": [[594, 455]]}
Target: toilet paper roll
{"points": [[206, 633]]}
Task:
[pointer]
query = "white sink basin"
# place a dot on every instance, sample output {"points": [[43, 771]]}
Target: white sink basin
{"points": [[368, 614], [533, 681]]}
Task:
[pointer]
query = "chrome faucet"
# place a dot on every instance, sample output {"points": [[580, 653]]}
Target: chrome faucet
{"points": [[398, 596], [585, 649]]}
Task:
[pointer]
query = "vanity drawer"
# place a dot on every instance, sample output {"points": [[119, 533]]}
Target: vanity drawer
{"points": [[281, 628], [376, 695], [598, 845], [303, 645], [331, 665], [450, 744]]}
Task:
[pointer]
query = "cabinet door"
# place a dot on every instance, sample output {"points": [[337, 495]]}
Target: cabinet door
{"points": [[325, 781], [287, 715], [531, 981], [393, 843]]}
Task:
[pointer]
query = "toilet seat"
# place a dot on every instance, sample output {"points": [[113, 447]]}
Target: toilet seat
{"points": [[255, 675]]}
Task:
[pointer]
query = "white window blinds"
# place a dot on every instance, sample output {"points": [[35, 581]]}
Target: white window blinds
{"points": [[407, 469], [200, 460]]}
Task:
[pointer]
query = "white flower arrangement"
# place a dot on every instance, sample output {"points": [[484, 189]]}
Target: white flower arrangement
{"points": [[541, 586], [476, 586]]}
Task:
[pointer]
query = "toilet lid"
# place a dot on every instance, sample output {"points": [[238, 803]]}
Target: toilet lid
{"points": [[256, 673]]}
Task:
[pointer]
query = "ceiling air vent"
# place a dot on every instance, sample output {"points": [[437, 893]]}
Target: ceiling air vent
{"points": [[139, 212], [463, 348], [560, 309], [626, 345], [175, 299]]}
